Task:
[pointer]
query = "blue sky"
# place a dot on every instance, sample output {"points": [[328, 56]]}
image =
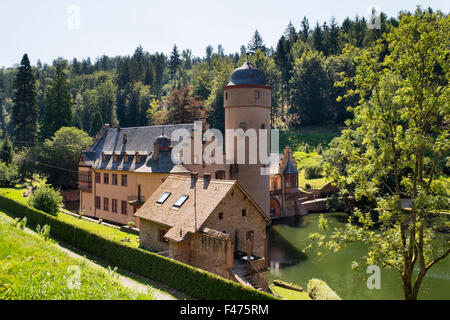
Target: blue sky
{"points": [[117, 27]]}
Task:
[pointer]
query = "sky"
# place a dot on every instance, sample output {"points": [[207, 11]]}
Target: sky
{"points": [[47, 29]]}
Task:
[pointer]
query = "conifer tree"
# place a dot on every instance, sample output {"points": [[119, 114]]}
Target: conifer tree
{"points": [[256, 43], [25, 109], [58, 105], [97, 124], [174, 62]]}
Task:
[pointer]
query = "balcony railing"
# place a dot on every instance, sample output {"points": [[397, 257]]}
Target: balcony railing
{"points": [[85, 186], [136, 200]]}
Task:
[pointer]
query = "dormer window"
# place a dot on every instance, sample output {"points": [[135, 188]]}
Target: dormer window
{"points": [[103, 157], [114, 157], [125, 158]]}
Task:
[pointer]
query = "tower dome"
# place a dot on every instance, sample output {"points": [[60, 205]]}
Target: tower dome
{"points": [[247, 74]]}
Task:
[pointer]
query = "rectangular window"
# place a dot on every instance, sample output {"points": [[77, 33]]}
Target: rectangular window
{"points": [[114, 179], [180, 201], [124, 207], [106, 204], [220, 215], [106, 178], [125, 158], [97, 202], [256, 94], [97, 177], [124, 180], [114, 157], [163, 197], [114, 205], [244, 212]]}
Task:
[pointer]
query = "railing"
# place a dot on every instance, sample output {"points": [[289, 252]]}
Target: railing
{"points": [[135, 199], [84, 185]]}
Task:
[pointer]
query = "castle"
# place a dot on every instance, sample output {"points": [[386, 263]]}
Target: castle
{"points": [[212, 216]]}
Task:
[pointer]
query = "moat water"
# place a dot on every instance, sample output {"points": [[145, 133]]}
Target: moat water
{"points": [[289, 262]]}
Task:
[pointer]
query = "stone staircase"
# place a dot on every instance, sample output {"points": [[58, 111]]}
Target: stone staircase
{"points": [[242, 276]]}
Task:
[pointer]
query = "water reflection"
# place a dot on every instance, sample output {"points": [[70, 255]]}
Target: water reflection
{"points": [[289, 237]]}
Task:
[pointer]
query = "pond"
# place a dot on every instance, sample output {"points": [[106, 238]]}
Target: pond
{"points": [[289, 237]]}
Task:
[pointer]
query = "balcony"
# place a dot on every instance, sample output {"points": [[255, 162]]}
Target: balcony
{"points": [[85, 186], [135, 200]]}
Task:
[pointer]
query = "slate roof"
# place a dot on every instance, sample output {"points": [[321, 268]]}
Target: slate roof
{"points": [[290, 168], [247, 74], [207, 199], [138, 140]]}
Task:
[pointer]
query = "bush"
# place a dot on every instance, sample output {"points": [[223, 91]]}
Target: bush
{"points": [[319, 290], [336, 203], [194, 282], [8, 175], [313, 172], [307, 186], [46, 199]]}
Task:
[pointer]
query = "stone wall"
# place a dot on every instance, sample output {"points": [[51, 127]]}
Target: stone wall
{"points": [[317, 205], [149, 236], [236, 225], [211, 254]]}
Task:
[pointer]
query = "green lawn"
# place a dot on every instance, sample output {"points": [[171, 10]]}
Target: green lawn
{"points": [[32, 268], [107, 232], [290, 294], [307, 160]]}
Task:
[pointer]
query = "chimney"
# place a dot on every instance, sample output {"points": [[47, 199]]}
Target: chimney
{"points": [[156, 150], [206, 179]]}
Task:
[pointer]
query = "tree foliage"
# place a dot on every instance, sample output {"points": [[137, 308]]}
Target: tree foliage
{"points": [[391, 148], [58, 157], [24, 111]]}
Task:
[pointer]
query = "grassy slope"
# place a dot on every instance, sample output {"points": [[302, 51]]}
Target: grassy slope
{"points": [[31, 268], [108, 232], [306, 160]]}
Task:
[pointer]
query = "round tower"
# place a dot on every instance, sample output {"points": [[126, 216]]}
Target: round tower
{"points": [[247, 102]]}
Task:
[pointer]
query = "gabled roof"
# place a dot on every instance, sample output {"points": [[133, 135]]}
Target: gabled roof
{"points": [[132, 141], [207, 199]]}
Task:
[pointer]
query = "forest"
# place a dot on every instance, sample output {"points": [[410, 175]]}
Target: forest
{"points": [[155, 88]]}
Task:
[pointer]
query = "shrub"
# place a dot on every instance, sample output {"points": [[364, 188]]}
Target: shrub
{"points": [[319, 149], [8, 175], [313, 172], [307, 186], [46, 199], [319, 290], [173, 273], [335, 203]]}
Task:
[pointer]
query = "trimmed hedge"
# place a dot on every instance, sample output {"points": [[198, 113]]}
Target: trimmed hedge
{"points": [[187, 279], [319, 290]]}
